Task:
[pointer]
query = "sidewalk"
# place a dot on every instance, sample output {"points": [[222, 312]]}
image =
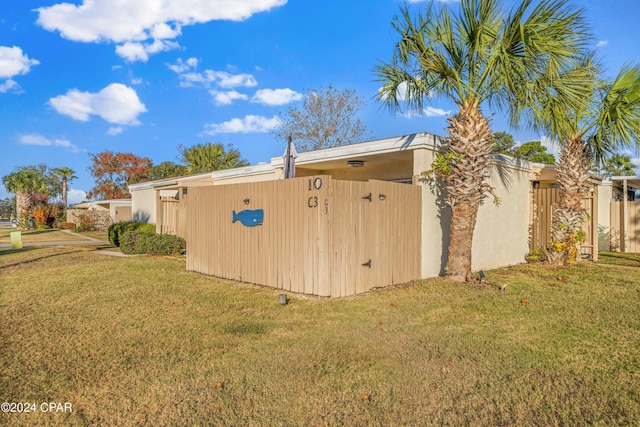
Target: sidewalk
{"points": [[82, 241]]}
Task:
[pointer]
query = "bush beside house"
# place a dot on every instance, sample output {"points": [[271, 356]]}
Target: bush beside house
{"points": [[118, 229], [141, 242]]}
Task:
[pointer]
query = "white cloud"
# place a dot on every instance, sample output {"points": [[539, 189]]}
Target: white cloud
{"points": [[219, 78], [602, 43], [227, 98], [142, 20], [13, 62], [116, 103], [76, 196], [249, 124], [36, 139], [136, 51], [274, 97], [8, 85], [113, 131], [435, 112], [182, 66]]}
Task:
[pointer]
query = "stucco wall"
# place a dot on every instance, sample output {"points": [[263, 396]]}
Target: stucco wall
{"points": [[143, 205], [501, 236]]}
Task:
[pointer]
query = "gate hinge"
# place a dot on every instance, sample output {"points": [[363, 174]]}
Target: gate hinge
{"points": [[367, 264]]}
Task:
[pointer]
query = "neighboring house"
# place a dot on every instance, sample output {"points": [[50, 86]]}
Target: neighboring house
{"points": [[619, 216], [109, 211]]}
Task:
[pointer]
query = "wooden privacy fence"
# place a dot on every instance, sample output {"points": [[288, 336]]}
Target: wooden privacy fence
{"points": [[618, 228], [167, 215], [542, 203], [318, 235]]}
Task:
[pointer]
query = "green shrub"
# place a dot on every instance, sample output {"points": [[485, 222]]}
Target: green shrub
{"points": [[536, 255], [67, 225], [140, 242], [117, 230]]}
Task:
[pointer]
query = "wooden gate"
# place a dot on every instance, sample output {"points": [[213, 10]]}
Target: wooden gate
{"points": [[318, 236], [167, 216], [543, 200], [618, 227]]}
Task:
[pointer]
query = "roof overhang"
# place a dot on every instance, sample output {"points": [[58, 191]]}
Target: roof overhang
{"points": [[371, 152], [633, 182]]}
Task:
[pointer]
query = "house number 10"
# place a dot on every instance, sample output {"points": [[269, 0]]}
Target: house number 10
{"points": [[315, 183]]}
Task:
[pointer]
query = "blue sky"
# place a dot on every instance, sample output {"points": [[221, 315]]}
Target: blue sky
{"points": [[145, 76]]}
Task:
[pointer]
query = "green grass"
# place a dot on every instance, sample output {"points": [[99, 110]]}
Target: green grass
{"points": [[617, 258], [33, 236], [140, 341]]}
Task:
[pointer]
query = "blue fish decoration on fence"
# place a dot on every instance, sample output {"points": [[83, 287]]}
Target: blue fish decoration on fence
{"points": [[249, 218]]}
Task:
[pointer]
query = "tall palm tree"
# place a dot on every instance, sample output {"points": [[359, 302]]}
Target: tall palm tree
{"points": [[67, 175], [25, 183], [618, 165], [210, 157], [480, 55], [608, 119]]}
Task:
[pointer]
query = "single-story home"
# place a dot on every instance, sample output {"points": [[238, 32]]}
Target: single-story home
{"points": [[109, 211], [501, 235], [504, 233]]}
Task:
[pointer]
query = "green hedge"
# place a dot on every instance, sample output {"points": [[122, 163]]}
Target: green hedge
{"points": [[140, 242], [119, 228]]}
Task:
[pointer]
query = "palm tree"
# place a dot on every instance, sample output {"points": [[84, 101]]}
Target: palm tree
{"points": [[210, 157], [608, 119], [618, 165], [25, 183], [481, 55], [67, 175]]}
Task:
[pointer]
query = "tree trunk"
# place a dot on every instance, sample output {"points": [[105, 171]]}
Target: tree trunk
{"points": [[23, 200], [466, 183], [463, 222], [64, 191], [568, 215]]}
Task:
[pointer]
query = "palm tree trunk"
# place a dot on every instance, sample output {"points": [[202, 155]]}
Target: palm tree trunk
{"points": [[568, 215], [64, 191], [466, 183], [23, 199]]}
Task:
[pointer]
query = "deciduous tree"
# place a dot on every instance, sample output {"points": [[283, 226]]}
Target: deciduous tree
{"points": [[166, 170], [114, 172], [328, 118], [534, 151]]}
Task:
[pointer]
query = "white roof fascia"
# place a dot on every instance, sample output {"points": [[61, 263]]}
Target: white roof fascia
{"points": [[388, 145], [258, 169]]}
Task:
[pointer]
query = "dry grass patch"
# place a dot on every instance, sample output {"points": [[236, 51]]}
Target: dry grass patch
{"points": [[35, 236], [133, 341]]}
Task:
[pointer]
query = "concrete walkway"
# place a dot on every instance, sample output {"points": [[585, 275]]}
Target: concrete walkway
{"points": [[82, 241]]}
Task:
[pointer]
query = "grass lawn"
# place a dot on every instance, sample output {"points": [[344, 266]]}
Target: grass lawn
{"points": [[37, 236], [141, 341], [51, 235]]}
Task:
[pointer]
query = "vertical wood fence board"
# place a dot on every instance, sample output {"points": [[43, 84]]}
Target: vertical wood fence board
{"points": [[543, 200], [317, 233]]}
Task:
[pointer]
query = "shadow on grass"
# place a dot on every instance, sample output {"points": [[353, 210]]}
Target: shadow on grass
{"points": [[619, 258], [30, 260]]}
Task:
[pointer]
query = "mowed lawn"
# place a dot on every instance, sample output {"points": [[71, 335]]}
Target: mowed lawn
{"points": [[141, 341]]}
